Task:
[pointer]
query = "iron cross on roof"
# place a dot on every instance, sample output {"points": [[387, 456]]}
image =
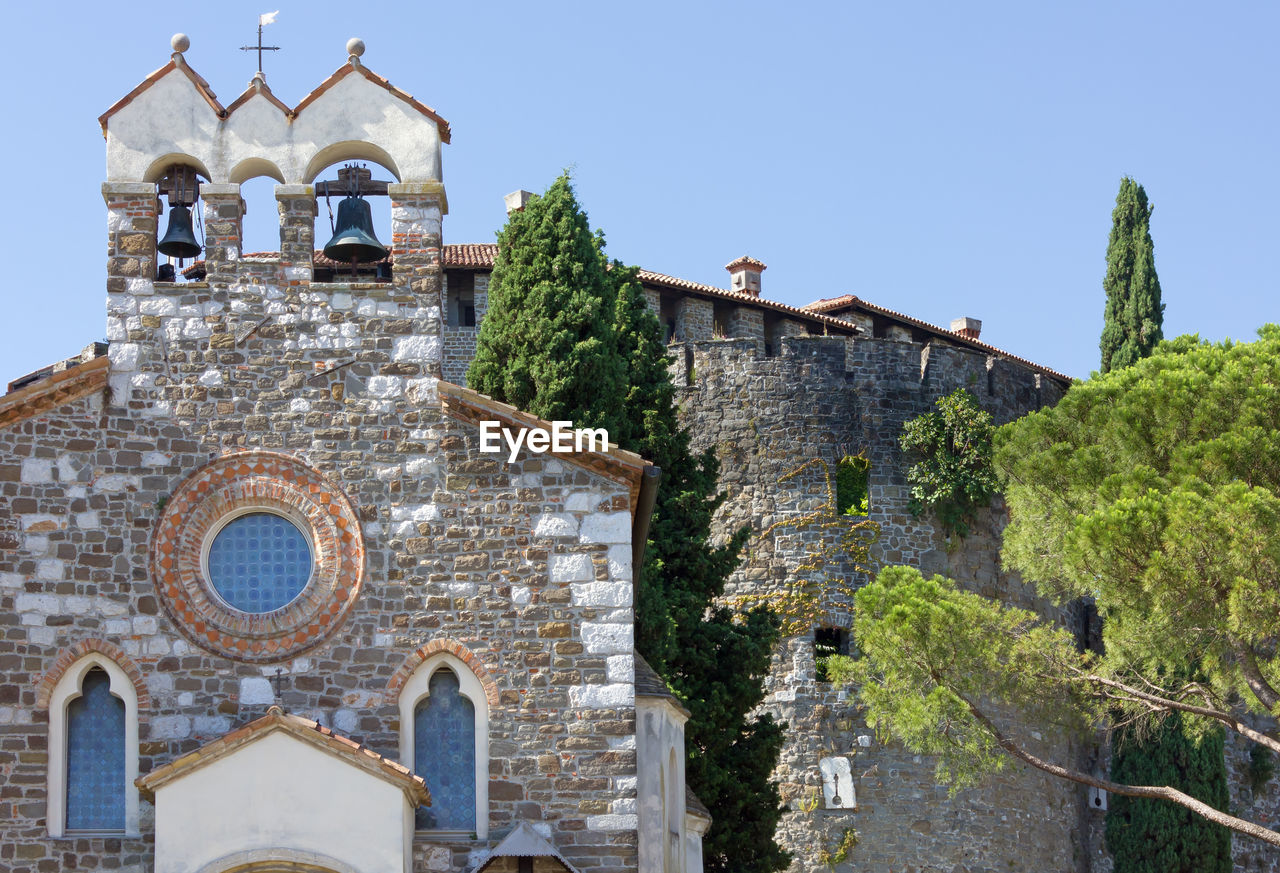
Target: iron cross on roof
{"points": [[264, 19]]}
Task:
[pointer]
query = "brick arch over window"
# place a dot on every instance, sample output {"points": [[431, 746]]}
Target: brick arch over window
{"points": [[449, 647], [74, 653]]}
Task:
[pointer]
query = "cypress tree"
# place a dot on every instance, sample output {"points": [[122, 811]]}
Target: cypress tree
{"points": [[547, 343], [714, 662], [567, 337], [1134, 314], [1156, 836]]}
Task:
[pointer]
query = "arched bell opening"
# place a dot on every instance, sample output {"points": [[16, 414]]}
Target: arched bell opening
{"points": [[180, 228], [353, 223], [260, 224]]}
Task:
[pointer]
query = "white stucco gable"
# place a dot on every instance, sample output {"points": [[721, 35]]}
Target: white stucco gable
{"points": [[173, 117], [282, 790]]}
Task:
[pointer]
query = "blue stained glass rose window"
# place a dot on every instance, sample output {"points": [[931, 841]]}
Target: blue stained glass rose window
{"points": [[95, 757], [259, 562], [444, 743]]}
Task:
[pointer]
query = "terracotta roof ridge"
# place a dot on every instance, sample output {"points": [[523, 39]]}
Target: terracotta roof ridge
{"points": [[259, 86], [176, 62], [54, 390], [303, 729]]}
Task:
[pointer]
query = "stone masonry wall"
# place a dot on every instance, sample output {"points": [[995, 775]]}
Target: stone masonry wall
{"points": [[524, 566], [824, 398]]}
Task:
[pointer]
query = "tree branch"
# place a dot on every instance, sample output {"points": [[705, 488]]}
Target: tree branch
{"points": [[1161, 793], [1258, 683], [1159, 702]]}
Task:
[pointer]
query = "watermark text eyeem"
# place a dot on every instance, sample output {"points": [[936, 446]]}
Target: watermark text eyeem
{"points": [[563, 438]]}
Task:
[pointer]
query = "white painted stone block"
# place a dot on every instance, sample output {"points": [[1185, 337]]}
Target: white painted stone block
{"points": [[159, 683], [606, 638], [37, 470], [117, 482], [607, 527], [612, 822], [211, 378], [620, 668], [155, 459], [256, 690], [340, 300], [583, 501], [571, 568], [145, 624], [158, 306], [613, 696], [605, 594], [521, 595], [50, 570], [212, 725], [345, 720], [42, 636], [385, 386], [170, 727], [87, 520], [416, 348], [555, 524], [620, 563]]}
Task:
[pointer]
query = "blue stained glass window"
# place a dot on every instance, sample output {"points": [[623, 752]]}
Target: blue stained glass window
{"points": [[95, 757], [444, 743], [259, 562]]}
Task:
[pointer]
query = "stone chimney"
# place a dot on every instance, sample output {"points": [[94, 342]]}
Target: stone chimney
{"points": [[516, 200], [967, 327], [744, 275]]}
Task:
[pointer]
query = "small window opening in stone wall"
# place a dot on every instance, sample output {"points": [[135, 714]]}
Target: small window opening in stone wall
{"points": [[667, 315], [179, 225], [460, 298], [365, 183], [260, 229], [828, 641], [721, 313], [853, 473]]}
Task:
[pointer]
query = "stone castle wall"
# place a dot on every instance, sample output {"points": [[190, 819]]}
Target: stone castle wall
{"points": [[825, 398], [522, 569]]}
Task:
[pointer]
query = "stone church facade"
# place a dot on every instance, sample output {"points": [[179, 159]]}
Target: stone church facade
{"points": [[436, 671]]}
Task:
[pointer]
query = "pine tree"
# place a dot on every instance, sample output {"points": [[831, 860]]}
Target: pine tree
{"points": [[547, 343], [1156, 836], [1134, 314], [567, 337]]}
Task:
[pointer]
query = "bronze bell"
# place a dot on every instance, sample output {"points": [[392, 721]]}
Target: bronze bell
{"points": [[179, 240], [353, 240]]}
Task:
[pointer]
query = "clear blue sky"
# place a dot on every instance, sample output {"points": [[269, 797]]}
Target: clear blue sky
{"points": [[941, 159]]}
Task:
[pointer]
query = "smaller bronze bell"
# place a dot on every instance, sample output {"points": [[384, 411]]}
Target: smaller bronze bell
{"points": [[179, 240], [353, 239]]}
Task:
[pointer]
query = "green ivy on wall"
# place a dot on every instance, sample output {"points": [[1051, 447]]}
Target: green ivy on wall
{"points": [[952, 474]]}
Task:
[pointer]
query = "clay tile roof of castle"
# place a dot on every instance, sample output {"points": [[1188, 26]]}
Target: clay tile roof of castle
{"points": [[304, 729], [349, 68], [693, 804], [470, 255], [650, 684], [482, 256], [852, 301], [176, 62]]}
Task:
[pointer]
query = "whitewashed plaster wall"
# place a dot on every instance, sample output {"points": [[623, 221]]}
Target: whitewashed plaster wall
{"points": [[659, 741], [172, 118], [276, 796]]}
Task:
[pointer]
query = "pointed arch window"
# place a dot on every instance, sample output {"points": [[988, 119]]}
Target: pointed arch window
{"points": [[93, 750], [444, 728], [95, 757], [444, 719]]}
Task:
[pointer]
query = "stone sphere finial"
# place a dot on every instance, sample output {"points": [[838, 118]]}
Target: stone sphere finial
{"points": [[180, 42], [355, 47]]}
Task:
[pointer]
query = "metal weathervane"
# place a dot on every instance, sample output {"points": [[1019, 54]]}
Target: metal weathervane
{"points": [[263, 20]]}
